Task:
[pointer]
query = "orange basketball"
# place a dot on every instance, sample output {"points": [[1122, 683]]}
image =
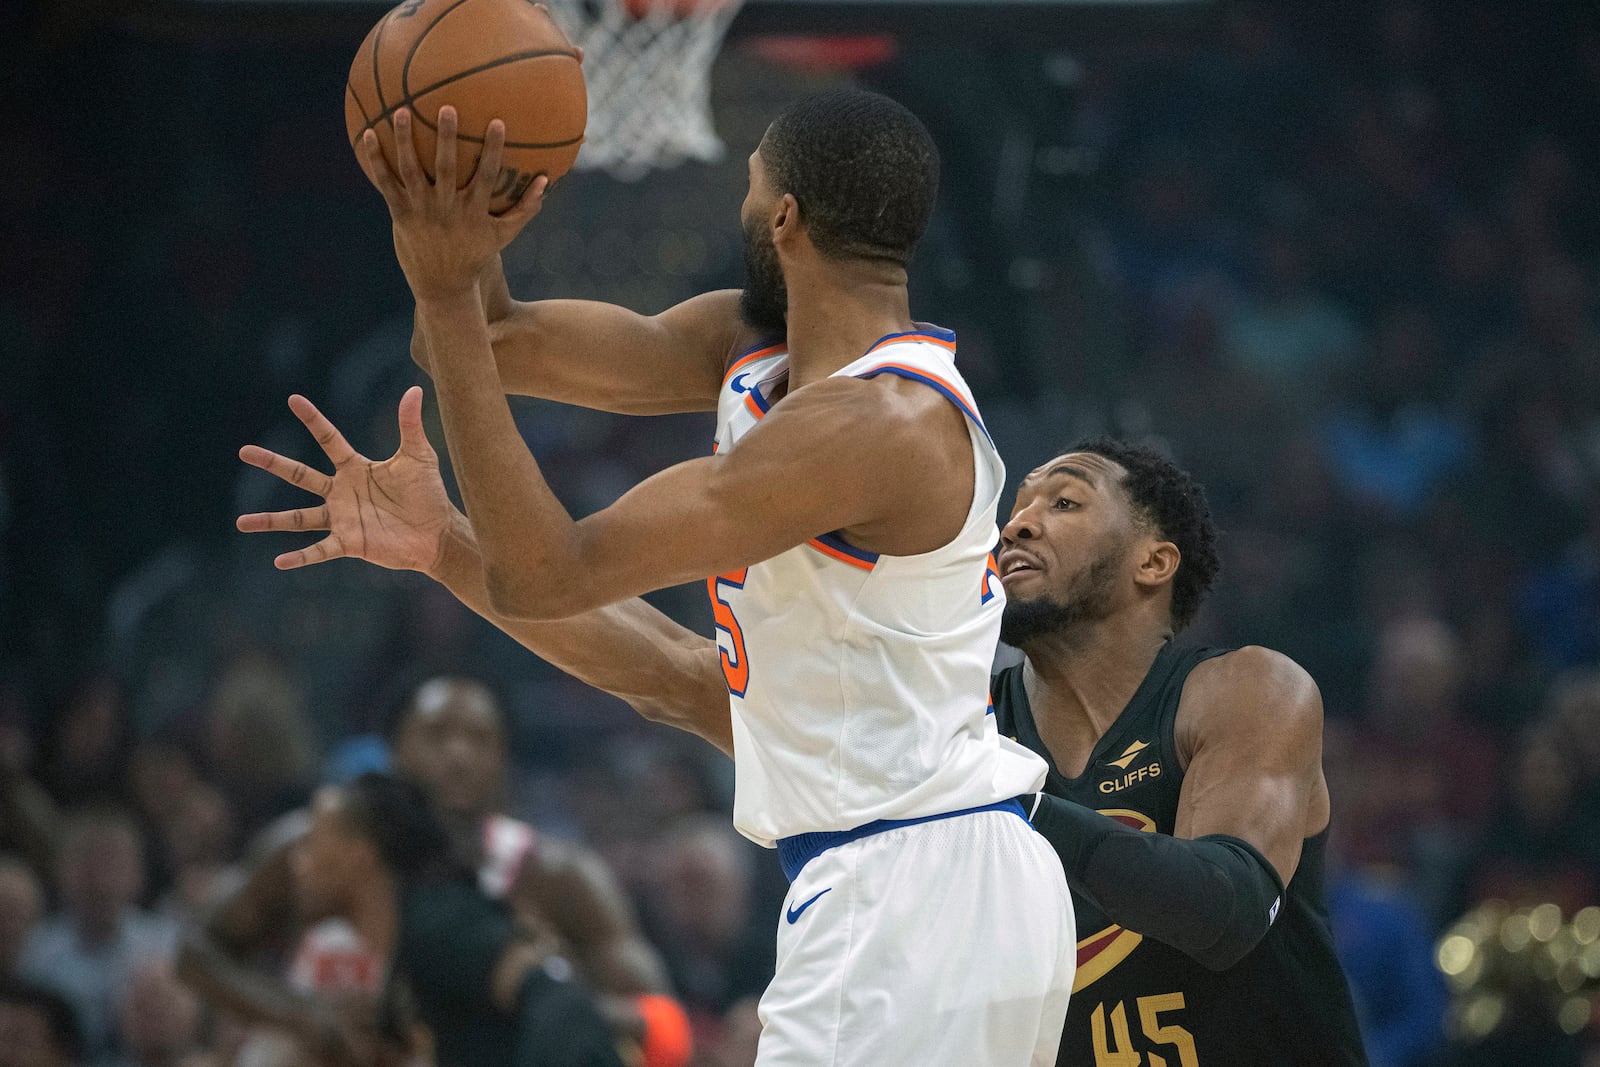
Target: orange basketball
{"points": [[489, 59]]}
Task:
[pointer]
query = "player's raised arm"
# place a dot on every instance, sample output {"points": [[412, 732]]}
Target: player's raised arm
{"points": [[864, 457], [396, 514], [606, 357]]}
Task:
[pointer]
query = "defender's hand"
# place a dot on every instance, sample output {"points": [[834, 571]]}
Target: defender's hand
{"points": [[443, 236], [393, 513]]}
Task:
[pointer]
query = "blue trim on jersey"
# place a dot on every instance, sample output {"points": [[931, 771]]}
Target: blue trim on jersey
{"points": [[839, 544], [761, 402], [926, 329], [765, 342], [950, 394], [797, 851]]}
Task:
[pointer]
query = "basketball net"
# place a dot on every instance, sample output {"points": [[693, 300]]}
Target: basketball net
{"points": [[647, 64]]}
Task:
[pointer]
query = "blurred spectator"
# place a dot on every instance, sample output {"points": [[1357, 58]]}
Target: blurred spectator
{"points": [[1432, 773], [30, 825], [1540, 846], [1286, 332], [1382, 937], [88, 747], [1574, 710], [21, 907], [89, 951], [259, 741], [698, 910], [734, 1043], [160, 1018], [1385, 944], [37, 1028], [1392, 442]]}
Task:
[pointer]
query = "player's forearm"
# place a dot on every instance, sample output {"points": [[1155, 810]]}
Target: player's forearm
{"points": [[667, 673], [493, 294], [1212, 898], [526, 539]]}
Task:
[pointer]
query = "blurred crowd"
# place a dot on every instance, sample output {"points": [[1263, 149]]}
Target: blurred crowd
{"points": [[1342, 260]]}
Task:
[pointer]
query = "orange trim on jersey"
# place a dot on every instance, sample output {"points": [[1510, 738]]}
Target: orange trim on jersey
{"points": [[834, 553], [752, 406], [955, 394], [770, 350], [913, 338]]}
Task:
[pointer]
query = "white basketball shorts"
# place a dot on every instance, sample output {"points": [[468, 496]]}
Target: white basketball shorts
{"points": [[946, 942]]}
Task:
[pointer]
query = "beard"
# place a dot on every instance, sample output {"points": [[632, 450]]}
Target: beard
{"points": [[764, 302], [1087, 600]]}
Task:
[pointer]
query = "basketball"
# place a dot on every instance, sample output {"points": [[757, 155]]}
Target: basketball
{"points": [[489, 59]]}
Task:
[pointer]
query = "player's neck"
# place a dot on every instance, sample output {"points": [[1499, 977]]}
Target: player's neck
{"points": [[1082, 678], [838, 311]]}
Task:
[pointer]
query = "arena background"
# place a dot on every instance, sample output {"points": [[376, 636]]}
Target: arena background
{"points": [[1339, 258]]}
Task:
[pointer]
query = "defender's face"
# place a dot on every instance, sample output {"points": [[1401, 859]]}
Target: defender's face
{"points": [[1068, 515], [453, 744], [1064, 549]]}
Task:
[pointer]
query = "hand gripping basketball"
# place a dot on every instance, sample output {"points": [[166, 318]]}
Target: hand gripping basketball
{"points": [[393, 513], [443, 236]]}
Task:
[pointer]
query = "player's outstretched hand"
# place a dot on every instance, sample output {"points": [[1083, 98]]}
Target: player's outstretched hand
{"points": [[393, 512], [443, 235]]}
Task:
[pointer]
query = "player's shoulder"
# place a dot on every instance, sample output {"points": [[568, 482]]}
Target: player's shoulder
{"points": [[1251, 684]]}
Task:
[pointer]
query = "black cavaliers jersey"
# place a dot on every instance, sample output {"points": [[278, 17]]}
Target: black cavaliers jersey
{"points": [[1139, 1003]]}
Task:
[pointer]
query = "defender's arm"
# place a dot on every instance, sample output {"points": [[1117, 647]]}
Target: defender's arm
{"points": [[1250, 723]]}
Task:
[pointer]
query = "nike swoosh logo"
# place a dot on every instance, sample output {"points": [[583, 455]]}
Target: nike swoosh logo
{"points": [[793, 914]]}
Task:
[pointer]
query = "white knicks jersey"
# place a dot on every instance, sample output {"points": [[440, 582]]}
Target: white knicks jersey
{"points": [[859, 682]]}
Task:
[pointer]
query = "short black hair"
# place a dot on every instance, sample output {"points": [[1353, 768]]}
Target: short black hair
{"points": [[396, 816], [864, 170], [65, 1029], [1167, 498]]}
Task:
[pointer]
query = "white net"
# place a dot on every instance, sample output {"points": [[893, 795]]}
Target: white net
{"points": [[648, 68]]}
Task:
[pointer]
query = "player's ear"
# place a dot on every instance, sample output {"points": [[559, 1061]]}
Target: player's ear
{"points": [[785, 218], [1159, 565]]}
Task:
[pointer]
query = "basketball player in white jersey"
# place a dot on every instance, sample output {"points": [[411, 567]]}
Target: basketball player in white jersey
{"points": [[847, 519]]}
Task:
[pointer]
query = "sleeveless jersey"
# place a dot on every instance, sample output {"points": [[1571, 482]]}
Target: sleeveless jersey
{"points": [[859, 682], [1136, 1000], [332, 958]]}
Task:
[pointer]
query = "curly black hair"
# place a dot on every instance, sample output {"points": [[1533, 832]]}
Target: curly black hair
{"points": [[863, 169], [397, 818], [1168, 499]]}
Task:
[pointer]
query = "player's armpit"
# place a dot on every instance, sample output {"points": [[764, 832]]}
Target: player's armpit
{"points": [[609, 358], [1249, 729], [887, 461]]}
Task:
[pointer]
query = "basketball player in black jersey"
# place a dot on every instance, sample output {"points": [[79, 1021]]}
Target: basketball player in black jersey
{"points": [[464, 988], [1185, 794]]}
